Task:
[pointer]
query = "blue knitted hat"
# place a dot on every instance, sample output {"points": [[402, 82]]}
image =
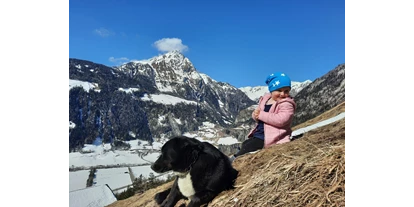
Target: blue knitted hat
{"points": [[277, 80]]}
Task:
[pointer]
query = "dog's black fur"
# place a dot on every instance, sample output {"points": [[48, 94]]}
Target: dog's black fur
{"points": [[209, 170]]}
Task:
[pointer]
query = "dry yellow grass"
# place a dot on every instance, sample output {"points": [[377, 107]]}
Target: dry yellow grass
{"points": [[309, 171]]}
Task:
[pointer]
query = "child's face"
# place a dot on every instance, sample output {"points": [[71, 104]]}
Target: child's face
{"points": [[281, 93]]}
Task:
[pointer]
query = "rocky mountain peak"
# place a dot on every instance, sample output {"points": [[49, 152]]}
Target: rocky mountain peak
{"points": [[174, 60]]}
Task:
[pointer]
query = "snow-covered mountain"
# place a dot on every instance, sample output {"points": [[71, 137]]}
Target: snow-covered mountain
{"points": [[158, 98], [169, 72], [173, 73], [254, 93]]}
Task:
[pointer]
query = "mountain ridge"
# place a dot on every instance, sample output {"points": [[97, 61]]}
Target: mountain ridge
{"points": [[121, 93], [255, 92]]}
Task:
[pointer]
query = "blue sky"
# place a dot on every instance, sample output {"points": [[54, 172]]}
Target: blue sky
{"points": [[238, 42]]}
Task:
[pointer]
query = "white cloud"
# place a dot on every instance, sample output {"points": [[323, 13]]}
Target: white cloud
{"points": [[119, 61], [103, 32], [170, 44]]}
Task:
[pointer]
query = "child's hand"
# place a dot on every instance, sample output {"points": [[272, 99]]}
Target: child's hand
{"points": [[256, 113]]}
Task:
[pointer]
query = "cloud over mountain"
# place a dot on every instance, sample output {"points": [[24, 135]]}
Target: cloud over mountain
{"points": [[170, 44]]}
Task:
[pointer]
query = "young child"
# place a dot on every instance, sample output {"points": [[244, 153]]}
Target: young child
{"points": [[273, 116]]}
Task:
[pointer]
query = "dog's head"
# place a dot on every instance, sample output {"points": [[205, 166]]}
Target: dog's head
{"points": [[177, 154]]}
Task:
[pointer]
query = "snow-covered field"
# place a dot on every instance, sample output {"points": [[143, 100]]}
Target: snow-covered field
{"points": [[139, 158], [77, 179]]}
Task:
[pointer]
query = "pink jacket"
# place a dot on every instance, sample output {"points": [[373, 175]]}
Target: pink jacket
{"points": [[277, 122]]}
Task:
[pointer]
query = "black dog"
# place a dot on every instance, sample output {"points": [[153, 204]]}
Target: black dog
{"points": [[202, 171]]}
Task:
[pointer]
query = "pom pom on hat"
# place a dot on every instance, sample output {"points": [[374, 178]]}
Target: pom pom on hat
{"points": [[277, 80]]}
